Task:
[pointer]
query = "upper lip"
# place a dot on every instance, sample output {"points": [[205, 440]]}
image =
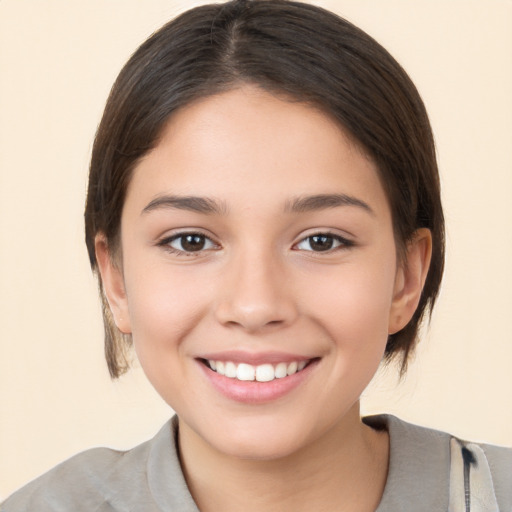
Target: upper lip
{"points": [[255, 358]]}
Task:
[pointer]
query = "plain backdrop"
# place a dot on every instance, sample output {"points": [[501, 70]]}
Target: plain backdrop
{"points": [[58, 59]]}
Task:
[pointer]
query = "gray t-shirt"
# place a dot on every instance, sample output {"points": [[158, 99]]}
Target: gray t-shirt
{"points": [[149, 477]]}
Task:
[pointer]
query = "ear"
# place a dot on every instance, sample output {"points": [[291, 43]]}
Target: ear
{"points": [[410, 279], [113, 284]]}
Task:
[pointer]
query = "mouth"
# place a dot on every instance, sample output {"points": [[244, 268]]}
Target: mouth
{"points": [[260, 373], [255, 379]]}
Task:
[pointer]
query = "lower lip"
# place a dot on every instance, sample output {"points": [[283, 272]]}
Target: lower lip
{"points": [[254, 392]]}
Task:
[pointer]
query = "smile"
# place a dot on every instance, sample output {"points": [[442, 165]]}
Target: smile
{"points": [[259, 373], [271, 376]]}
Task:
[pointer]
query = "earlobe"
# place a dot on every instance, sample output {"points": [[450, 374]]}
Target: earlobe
{"points": [[113, 284], [410, 279]]}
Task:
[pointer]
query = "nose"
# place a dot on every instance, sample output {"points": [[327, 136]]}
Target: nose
{"points": [[257, 295]]}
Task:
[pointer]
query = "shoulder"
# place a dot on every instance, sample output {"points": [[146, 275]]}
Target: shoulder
{"points": [[97, 480], [79, 479], [453, 467], [499, 459]]}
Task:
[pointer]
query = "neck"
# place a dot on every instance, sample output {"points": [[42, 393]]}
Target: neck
{"points": [[344, 469]]}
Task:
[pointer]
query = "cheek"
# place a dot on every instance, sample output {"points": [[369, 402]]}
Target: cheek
{"points": [[353, 304], [164, 305]]}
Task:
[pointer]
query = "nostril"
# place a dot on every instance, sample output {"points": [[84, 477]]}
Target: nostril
{"points": [[252, 317], [249, 305]]}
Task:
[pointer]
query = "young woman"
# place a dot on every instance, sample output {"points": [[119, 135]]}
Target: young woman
{"points": [[264, 218]]}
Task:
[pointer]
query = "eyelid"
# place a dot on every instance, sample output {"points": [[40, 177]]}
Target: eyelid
{"points": [[165, 242], [344, 242]]}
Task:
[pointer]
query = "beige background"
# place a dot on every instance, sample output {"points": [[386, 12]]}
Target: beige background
{"points": [[58, 59]]}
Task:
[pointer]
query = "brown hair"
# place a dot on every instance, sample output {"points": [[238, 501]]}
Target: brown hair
{"points": [[308, 54]]}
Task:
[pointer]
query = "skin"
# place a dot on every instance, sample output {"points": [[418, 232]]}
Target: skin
{"points": [[259, 287]]}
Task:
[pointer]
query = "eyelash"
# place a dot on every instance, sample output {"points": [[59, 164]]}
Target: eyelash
{"points": [[166, 243], [342, 243]]}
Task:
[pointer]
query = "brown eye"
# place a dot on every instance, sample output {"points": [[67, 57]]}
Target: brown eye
{"points": [[323, 242], [190, 242], [193, 242]]}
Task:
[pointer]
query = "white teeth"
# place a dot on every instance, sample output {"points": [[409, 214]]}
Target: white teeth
{"points": [[292, 368], [230, 370], [264, 373], [281, 370], [260, 373], [245, 372], [220, 367]]}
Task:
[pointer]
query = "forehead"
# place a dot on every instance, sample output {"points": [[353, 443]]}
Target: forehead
{"points": [[246, 144]]}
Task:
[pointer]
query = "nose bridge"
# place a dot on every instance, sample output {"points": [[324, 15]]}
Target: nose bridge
{"points": [[255, 294]]}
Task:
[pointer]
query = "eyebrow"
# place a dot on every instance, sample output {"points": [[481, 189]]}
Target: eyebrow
{"points": [[210, 206], [196, 204], [324, 201]]}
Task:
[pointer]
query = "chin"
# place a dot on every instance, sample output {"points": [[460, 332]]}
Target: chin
{"points": [[258, 437], [260, 447]]}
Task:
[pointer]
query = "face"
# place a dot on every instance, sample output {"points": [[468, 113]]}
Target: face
{"points": [[259, 274]]}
